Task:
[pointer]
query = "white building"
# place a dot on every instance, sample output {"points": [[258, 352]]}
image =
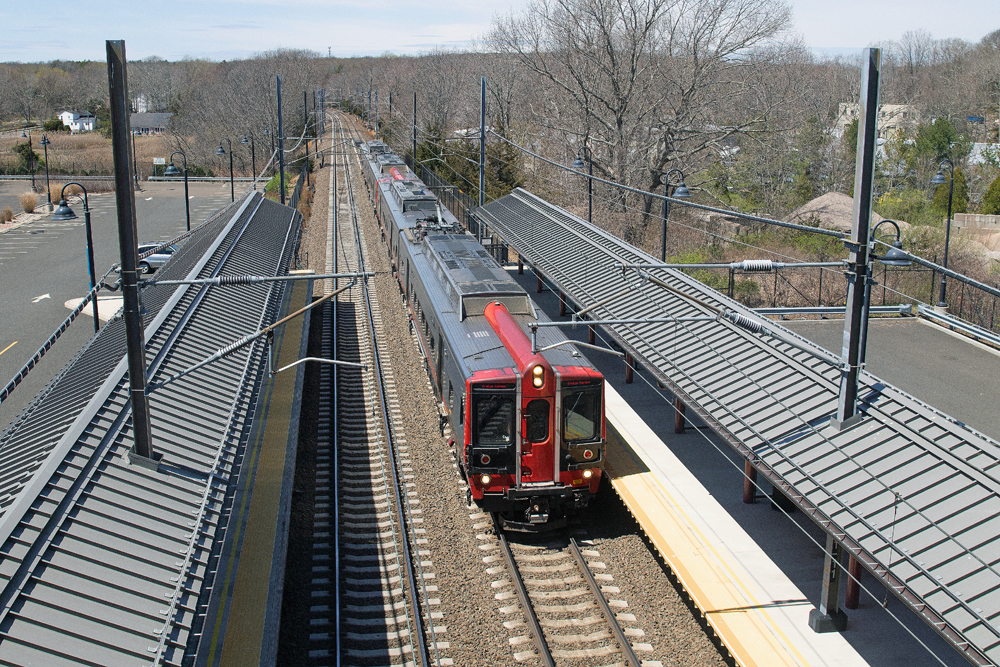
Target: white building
{"points": [[78, 121], [891, 118]]}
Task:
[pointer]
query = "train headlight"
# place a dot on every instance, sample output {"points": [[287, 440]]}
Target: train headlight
{"points": [[587, 474], [537, 377], [485, 480]]}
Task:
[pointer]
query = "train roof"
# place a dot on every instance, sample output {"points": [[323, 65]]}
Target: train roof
{"points": [[376, 147], [470, 277], [387, 161]]}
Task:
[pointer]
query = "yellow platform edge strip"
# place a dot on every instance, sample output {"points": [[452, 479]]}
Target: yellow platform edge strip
{"points": [[743, 627]]}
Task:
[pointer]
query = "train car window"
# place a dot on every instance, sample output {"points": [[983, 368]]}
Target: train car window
{"points": [[493, 416], [581, 416], [461, 411], [536, 419]]}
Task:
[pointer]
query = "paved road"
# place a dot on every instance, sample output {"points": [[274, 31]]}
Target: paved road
{"points": [[43, 264]]}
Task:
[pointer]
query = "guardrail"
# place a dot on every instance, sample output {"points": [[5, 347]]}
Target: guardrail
{"points": [[951, 322]]}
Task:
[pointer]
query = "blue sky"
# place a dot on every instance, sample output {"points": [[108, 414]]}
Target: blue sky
{"points": [[215, 30]]}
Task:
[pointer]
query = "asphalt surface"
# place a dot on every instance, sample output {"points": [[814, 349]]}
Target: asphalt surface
{"points": [[943, 369], [43, 264]]}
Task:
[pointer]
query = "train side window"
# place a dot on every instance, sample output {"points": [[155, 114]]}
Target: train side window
{"points": [[536, 419], [461, 410]]}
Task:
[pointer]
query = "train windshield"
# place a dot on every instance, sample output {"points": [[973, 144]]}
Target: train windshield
{"points": [[581, 414], [493, 418]]}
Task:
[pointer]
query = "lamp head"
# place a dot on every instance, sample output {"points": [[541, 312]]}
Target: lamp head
{"points": [[64, 212], [939, 179], [578, 163], [45, 141], [171, 170], [244, 140], [895, 255], [682, 190], [221, 150]]}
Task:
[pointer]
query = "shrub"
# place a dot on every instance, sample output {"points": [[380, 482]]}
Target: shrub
{"points": [[53, 125], [991, 200], [29, 200], [7, 215]]}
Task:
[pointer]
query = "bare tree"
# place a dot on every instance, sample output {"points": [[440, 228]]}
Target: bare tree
{"points": [[647, 84]]}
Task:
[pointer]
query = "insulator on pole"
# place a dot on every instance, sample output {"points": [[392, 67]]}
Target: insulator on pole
{"points": [[755, 265], [743, 321]]}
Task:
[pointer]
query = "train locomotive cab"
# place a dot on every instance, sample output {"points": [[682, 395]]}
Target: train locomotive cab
{"points": [[534, 449]]}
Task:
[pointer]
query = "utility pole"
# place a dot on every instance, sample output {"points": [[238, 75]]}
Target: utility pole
{"points": [[281, 145], [857, 274], [142, 448], [482, 141]]}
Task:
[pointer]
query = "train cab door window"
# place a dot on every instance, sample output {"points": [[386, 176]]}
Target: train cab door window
{"points": [[536, 420], [581, 418], [493, 418]]}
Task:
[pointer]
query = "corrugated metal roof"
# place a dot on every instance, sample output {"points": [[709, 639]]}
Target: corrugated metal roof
{"points": [[104, 562], [914, 494]]}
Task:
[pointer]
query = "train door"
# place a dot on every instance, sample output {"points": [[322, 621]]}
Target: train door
{"points": [[538, 463]]}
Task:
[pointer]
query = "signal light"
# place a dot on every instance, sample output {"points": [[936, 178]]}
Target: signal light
{"points": [[485, 459], [587, 474], [485, 480], [588, 454], [537, 377]]}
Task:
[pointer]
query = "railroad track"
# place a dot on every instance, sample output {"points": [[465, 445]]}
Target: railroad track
{"points": [[363, 535], [566, 616]]}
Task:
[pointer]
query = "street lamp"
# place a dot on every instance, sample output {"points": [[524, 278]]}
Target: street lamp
{"points": [[64, 212], [253, 157], [894, 256], [222, 151], [679, 191], [267, 132], [939, 180], [45, 142], [578, 164], [31, 157], [171, 170]]}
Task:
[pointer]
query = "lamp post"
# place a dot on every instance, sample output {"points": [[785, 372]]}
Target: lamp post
{"points": [[253, 157], [48, 194], [578, 164], [894, 256], [679, 191], [31, 157], [267, 132], [939, 180], [64, 212], [171, 170], [222, 151]]}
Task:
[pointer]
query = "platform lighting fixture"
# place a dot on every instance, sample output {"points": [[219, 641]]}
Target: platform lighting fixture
{"points": [[171, 170], [253, 157], [894, 256], [940, 180], [64, 212], [26, 134], [680, 191], [48, 193], [222, 151], [578, 165]]}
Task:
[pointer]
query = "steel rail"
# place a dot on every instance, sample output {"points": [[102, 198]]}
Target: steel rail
{"points": [[609, 615], [534, 626], [401, 502]]}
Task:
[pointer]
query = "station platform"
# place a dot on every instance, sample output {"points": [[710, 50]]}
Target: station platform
{"points": [[242, 623], [759, 614]]}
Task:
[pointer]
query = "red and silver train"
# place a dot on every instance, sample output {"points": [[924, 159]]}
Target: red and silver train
{"points": [[530, 423]]}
